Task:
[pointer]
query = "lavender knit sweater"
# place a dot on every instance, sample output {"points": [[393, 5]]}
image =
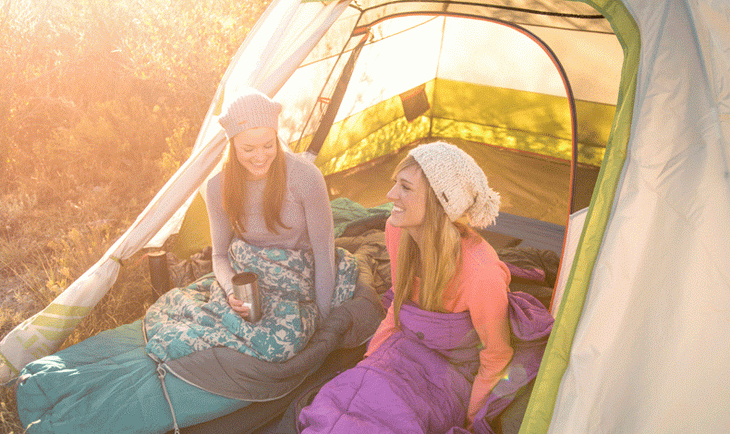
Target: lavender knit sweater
{"points": [[306, 211]]}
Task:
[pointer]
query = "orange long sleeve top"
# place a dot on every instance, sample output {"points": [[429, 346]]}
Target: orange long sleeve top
{"points": [[480, 287]]}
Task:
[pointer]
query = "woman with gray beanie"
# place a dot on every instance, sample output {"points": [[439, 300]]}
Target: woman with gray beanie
{"points": [[267, 197], [445, 341], [269, 216]]}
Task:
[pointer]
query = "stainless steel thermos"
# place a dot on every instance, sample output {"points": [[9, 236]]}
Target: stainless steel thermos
{"points": [[246, 289]]}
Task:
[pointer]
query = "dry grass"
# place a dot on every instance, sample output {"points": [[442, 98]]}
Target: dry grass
{"points": [[55, 225], [42, 252], [101, 106], [9, 423]]}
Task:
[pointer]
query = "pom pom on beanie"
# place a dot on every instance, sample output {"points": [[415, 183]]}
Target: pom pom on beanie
{"points": [[250, 109], [459, 183]]}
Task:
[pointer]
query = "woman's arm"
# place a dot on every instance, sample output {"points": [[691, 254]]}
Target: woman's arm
{"points": [[488, 302], [320, 226], [220, 233], [387, 327]]}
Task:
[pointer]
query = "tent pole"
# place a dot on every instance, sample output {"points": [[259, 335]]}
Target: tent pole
{"points": [[334, 104], [329, 76]]}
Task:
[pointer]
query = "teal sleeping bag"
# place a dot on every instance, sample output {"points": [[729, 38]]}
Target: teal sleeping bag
{"points": [[209, 358], [108, 384]]}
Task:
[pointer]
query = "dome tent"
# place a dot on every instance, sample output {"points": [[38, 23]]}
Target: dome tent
{"points": [[645, 301]]}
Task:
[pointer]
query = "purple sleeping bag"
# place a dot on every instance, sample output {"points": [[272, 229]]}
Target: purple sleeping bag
{"points": [[420, 379]]}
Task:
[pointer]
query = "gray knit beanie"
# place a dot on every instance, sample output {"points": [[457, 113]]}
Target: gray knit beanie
{"points": [[250, 109], [459, 183]]}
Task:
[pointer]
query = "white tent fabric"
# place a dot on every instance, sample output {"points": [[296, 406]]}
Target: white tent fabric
{"points": [[43, 333], [283, 36], [444, 47], [652, 350], [576, 222]]}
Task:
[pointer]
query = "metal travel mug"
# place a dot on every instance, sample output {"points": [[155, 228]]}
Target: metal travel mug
{"points": [[246, 289]]}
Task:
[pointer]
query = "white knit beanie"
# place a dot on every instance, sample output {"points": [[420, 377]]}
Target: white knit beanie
{"points": [[459, 183], [250, 109]]}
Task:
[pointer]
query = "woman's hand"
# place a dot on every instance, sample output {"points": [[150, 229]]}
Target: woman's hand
{"points": [[238, 306]]}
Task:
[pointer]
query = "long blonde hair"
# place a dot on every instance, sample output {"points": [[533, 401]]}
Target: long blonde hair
{"points": [[438, 264], [234, 191]]}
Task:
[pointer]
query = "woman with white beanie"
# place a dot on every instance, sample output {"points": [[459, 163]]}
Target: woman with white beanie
{"points": [[445, 341]]}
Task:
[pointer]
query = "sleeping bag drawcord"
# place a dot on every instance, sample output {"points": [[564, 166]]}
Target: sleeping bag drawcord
{"points": [[161, 373]]}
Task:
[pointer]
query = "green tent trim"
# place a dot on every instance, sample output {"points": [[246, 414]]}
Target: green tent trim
{"points": [[555, 361]]}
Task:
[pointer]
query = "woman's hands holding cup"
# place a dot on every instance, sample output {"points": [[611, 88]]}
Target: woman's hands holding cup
{"points": [[238, 306]]}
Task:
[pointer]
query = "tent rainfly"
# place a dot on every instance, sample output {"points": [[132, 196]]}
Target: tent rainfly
{"points": [[633, 96]]}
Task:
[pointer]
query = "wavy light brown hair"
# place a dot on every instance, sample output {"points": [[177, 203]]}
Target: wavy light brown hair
{"points": [[437, 265], [234, 193]]}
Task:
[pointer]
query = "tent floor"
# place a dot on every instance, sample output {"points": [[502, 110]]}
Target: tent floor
{"points": [[533, 233], [532, 186]]}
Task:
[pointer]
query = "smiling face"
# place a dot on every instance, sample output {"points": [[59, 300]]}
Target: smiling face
{"points": [[256, 149], [409, 200]]}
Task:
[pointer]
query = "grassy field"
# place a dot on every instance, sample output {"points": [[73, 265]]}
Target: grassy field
{"points": [[101, 102]]}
